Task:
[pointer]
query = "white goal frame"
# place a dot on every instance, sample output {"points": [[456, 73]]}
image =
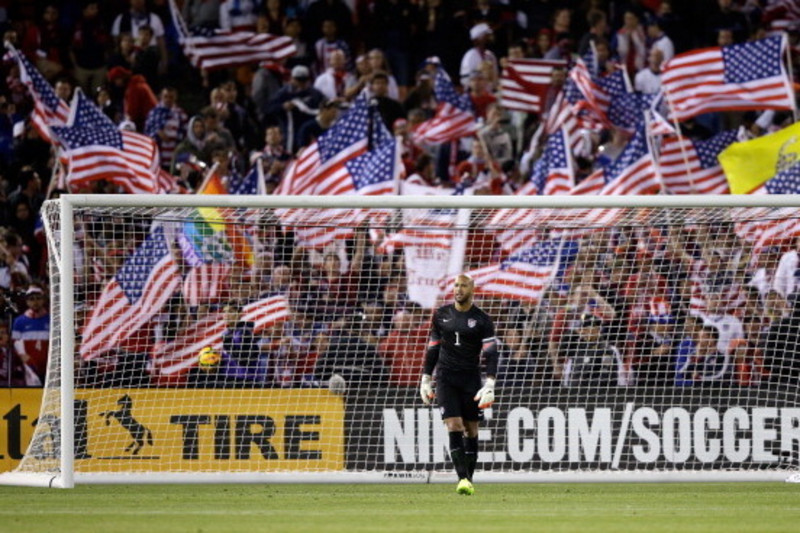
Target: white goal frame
{"points": [[65, 329]]}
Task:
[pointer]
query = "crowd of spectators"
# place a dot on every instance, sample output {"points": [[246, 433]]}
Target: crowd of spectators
{"points": [[350, 315]]}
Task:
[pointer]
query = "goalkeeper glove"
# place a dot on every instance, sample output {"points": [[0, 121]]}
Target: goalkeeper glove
{"points": [[485, 396], [426, 389]]}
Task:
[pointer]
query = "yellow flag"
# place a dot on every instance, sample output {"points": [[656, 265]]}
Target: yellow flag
{"points": [[751, 163]]}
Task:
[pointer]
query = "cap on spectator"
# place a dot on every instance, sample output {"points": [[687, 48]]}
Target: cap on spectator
{"points": [[118, 72], [301, 72], [479, 30], [660, 311], [33, 289]]}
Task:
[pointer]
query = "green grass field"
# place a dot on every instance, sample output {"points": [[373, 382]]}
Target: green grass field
{"points": [[701, 507]]}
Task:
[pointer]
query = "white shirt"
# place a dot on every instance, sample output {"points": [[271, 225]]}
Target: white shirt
{"points": [[786, 279], [647, 81], [664, 43], [472, 61], [151, 19], [326, 83]]}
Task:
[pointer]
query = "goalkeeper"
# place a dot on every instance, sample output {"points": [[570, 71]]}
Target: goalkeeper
{"points": [[460, 334]]}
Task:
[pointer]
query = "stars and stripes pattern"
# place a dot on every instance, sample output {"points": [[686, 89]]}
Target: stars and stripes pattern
{"points": [[634, 171], [552, 174], [315, 169], [209, 49], [148, 278], [171, 121], [691, 167], [740, 76], [175, 358], [48, 109], [454, 118], [524, 83], [91, 153], [373, 173], [525, 276]]}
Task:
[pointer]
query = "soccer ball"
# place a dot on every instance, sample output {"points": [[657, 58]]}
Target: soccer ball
{"points": [[208, 358]]}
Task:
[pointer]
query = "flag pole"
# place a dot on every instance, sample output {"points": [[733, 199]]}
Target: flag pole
{"points": [[680, 142], [791, 75], [651, 151]]}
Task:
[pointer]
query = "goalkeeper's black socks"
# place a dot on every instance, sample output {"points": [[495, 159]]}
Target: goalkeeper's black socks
{"points": [[471, 455], [457, 454]]}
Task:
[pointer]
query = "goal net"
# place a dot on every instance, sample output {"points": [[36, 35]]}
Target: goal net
{"points": [[282, 339]]}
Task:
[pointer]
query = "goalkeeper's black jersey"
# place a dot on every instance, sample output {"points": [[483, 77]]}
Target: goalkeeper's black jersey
{"points": [[460, 338]]}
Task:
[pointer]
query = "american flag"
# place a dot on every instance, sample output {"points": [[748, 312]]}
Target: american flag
{"points": [[94, 149], [454, 118], [782, 14], [172, 121], [626, 106], [251, 183], [48, 109], [691, 167], [778, 226], [141, 287], [126, 158], [526, 275], [373, 173], [313, 170], [593, 95], [634, 171], [552, 174], [209, 49], [524, 83], [428, 227], [177, 357], [740, 76]]}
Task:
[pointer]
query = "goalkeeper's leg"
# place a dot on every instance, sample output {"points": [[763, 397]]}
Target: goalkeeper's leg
{"points": [[471, 447]]}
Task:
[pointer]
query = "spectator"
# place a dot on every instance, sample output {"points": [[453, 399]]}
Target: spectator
{"points": [[90, 41], [598, 29], [336, 80], [590, 360], [389, 108], [218, 137], [648, 80], [326, 116], [166, 124], [192, 154], [349, 359], [274, 156], [471, 62], [403, 349], [238, 15], [630, 44], [295, 104], [327, 44], [122, 55], [267, 81], [657, 39], [137, 96], [335, 11], [146, 57], [201, 13], [133, 19], [45, 43], [378, 63], [31, 336]]}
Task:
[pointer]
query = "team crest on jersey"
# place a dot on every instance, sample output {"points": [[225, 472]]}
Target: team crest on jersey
{"points": [[471, 322]]}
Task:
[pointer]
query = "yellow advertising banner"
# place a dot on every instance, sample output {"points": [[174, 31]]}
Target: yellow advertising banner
{"points": [[19, 409], [211, 430]]}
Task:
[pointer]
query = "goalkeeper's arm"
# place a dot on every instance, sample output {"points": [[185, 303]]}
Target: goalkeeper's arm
{"points": [[485, 395], [426, 384]]}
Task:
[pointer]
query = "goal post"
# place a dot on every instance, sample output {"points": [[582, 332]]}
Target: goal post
{"points": [[210, 338]]}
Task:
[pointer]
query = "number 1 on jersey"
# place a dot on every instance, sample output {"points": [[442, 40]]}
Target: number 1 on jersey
{"points": [[458, 340]]}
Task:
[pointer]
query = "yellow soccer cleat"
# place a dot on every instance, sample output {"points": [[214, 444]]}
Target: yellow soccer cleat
{"points": [[465, 487]]}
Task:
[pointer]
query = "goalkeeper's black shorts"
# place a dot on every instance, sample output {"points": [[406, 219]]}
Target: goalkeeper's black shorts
{"points": [[455, 392]]}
